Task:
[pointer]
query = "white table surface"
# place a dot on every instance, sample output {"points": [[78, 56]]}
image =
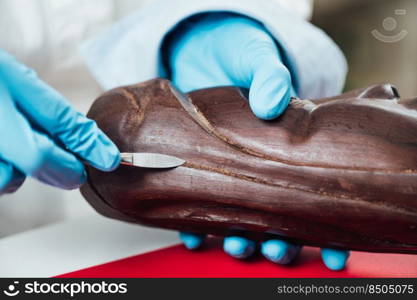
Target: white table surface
{"points": [[76, 244]]}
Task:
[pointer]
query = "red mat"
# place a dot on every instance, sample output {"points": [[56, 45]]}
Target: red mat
{"points": [[211, 261]]}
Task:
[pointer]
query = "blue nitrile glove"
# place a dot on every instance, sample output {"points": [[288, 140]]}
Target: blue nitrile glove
{"points": [[42, 136], [224, 49]]}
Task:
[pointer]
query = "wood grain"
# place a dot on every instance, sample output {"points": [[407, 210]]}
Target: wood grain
{"points": [[338, 172]]}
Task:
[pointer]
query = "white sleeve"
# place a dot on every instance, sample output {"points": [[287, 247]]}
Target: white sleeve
{"points": [[129, 51], [304, 8]]}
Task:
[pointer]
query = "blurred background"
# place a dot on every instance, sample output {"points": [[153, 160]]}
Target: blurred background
{"points": [[378, 37]]}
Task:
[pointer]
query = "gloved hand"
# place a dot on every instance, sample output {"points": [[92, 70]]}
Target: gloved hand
{"points": [[223, 49], [42, 136]]}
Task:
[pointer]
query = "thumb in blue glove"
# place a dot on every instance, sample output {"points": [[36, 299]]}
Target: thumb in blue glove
{"points": [[222, 49], [228, 50], [42, 135]]}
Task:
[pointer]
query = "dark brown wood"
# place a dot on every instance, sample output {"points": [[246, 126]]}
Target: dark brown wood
{"points": [[337, 172]]}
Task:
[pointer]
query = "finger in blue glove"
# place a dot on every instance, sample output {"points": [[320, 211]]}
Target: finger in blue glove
{"points": [[191, 240], [33, 152], [279, 251], [334, 259], [43, 136], [224, 49], [239, 247], [10, 178]]}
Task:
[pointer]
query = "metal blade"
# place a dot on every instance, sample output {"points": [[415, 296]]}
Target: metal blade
{"points": [[151, 160]]}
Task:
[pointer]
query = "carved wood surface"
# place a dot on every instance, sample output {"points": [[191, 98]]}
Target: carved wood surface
{"points": [[337, 172]]}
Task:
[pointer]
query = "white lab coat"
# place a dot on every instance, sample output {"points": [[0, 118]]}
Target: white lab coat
{"points": [[47, 34]]}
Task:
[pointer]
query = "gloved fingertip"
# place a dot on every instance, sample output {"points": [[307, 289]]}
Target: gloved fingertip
{"points": [[238, 247], [279, 251], [265, 114], [15, 184], [72, 184], [107, 155], [270, 113], [334, 259], [268, 103], [116, 162], [10, 178], [72, 178], [192, 241]]}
